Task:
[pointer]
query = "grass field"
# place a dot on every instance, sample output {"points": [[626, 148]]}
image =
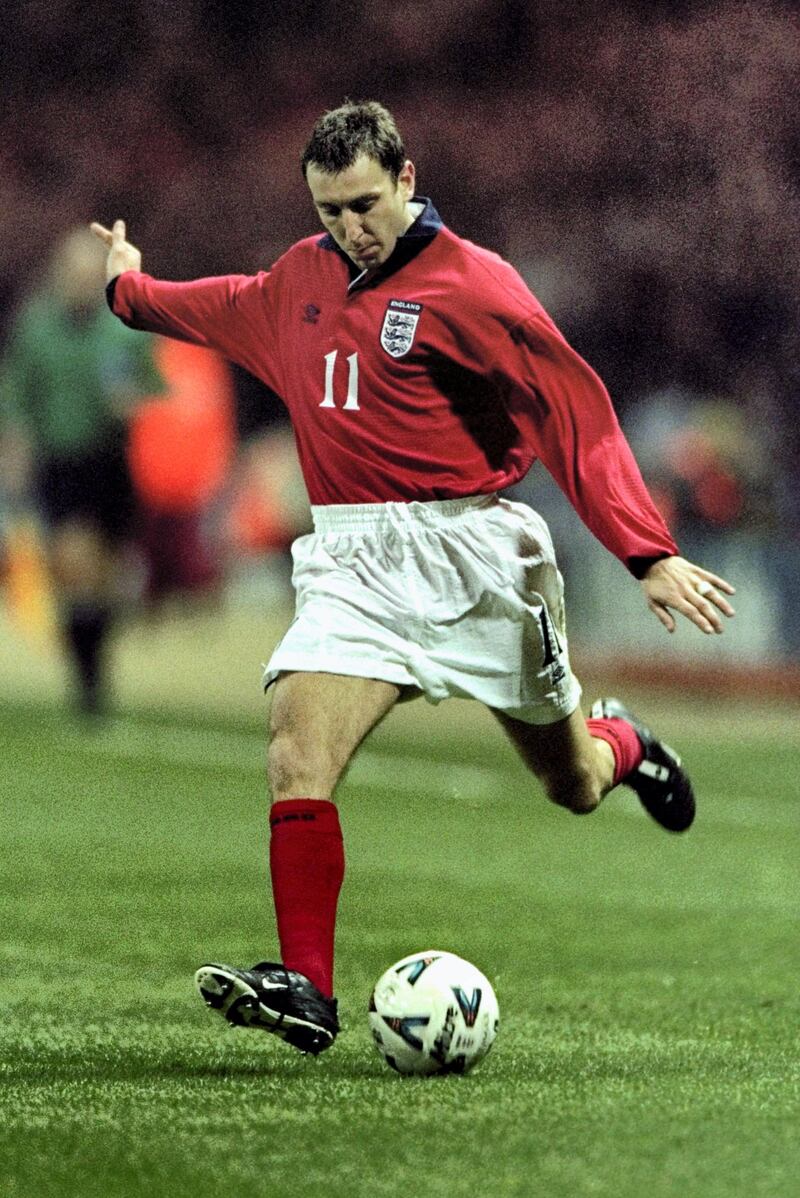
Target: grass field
{"points": [[648, 987]]}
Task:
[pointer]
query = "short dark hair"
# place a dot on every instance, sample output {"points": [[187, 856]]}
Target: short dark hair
{"points": [[342, 135]]}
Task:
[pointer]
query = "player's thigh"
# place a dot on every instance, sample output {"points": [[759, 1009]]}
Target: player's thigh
{"points": [[560, 754], [317, 721]]}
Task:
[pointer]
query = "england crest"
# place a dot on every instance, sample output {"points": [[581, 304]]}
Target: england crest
{"points": [[399, 326]]}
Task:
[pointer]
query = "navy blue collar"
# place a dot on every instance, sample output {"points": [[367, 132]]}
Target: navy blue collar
{"points": [[411, 243]]}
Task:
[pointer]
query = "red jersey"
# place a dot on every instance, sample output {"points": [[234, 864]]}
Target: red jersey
{"points": [[436, 377]]}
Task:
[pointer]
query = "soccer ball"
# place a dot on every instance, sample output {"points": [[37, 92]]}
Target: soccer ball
{"points": [[433, 1012]]}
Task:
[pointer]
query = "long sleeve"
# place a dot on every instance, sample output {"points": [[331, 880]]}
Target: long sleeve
{"points": [[232, 314], [565, 412]]}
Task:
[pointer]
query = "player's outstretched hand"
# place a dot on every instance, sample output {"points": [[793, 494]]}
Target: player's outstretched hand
{"points": [[673, 583], [121, 254]]}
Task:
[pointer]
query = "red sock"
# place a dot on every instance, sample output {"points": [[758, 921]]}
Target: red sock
{"points": [[625, 744], [306, 860]]}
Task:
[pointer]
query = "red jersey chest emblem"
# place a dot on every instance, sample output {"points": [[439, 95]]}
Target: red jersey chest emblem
{"points": [[399, 326]]}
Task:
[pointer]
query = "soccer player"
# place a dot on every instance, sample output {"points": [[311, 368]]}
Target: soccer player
{"points": [[421, 377]]}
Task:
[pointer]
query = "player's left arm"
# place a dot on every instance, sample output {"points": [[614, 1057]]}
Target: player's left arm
{"points": [[673, 584], [575, 429]]}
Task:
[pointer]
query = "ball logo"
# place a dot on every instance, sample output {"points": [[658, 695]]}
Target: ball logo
{"points": [[469, 1006], [405, 1027], [416, 968]]}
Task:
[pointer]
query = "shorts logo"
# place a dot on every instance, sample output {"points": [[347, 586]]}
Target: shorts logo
{"points": [[399, 326]]}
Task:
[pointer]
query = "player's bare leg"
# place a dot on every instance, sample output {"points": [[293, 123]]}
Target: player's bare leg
{"points": [[317, 723], [576, 769], [579, 761]]}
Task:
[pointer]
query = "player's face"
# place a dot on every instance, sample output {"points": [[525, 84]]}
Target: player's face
{"points": [[363, 209]]}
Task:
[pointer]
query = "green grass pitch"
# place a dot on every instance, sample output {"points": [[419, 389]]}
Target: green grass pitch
{"points": [[648, 984]]}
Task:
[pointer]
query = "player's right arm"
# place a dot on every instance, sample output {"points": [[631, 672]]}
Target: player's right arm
{"points": [[122, 255], [231, 314]]}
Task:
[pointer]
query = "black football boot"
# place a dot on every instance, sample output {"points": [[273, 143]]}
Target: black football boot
{"points": [[274, 999], [663, 787]]}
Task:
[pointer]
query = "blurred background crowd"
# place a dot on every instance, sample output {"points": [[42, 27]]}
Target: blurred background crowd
{"points": [[639, 162]]}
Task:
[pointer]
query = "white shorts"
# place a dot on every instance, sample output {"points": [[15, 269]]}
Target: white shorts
{"points": [[457, 598]]}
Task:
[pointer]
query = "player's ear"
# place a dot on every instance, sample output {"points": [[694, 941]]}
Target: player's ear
{"points": [[406, 180]]}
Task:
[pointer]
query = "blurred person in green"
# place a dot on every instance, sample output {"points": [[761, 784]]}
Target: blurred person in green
{"points": [[70, 376]]}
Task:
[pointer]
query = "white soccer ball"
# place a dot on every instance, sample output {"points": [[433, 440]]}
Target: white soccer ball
{"points": [[433, 1012]]}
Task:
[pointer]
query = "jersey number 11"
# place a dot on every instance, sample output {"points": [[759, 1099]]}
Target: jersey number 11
{"points": [[351, 403]]}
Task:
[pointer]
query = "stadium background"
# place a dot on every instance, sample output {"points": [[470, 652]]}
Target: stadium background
{"points": [[640, 169]]}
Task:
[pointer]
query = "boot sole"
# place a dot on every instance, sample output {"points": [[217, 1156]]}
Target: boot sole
{"points": [[225, 991]]}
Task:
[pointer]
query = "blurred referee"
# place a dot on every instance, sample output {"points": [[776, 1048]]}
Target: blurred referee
{"points": [[69, 379]]}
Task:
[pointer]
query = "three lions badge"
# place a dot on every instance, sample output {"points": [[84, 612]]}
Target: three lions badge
{"points": [[399, 326]]}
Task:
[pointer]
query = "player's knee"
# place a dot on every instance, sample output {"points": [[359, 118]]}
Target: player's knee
{"points": [[579, 792]]}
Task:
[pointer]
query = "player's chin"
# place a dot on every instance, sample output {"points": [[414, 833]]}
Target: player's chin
{"points": [[370, 259]]}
